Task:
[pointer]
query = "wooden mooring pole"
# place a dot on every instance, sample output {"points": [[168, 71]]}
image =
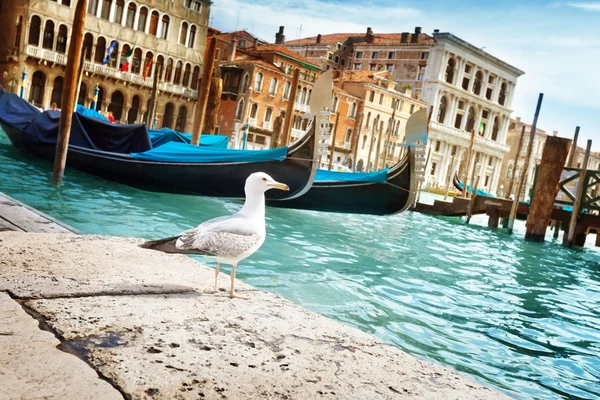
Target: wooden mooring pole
{"points": [[203, 92], [472, 201], [211, 119], [515, 206], [554, 156], [514, 173], [580, 195], [573, 153], [468, 166], [356, 140], [68, 95]]}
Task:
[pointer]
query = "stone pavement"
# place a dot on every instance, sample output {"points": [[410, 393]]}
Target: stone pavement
{"points": [[125, 322]]}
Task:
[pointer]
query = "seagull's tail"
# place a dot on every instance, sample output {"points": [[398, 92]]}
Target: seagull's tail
{"points": [[166, 245]]}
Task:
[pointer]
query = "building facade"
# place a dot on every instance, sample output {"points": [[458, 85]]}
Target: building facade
{"points": [[164, 38], [469, 90]]}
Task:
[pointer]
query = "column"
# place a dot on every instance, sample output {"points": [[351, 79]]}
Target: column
{"points": [[113, 11], [148, 18], [460, 73], [47, 94], [484, 84], [124, 16], [478, 120], [99, 9], [496, 177], [511, 92], [472, 81], [445, 163], [453, 106], [482, 169], [442, 74], [463, 123], [136, 18], [503, 129], [496, 90], [158, 26], [490, 123], [187, 39]]}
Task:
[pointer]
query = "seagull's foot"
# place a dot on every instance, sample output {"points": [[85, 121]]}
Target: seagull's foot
{"points": [[235, 296]]}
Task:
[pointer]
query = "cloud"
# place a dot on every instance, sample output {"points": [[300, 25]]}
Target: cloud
{"points": [[591, 7]]}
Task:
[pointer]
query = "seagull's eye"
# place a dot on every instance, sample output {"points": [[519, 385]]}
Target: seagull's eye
{"points": [[265, 179]]}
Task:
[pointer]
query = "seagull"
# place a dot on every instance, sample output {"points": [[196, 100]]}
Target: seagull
{"points": [[229, 239]]}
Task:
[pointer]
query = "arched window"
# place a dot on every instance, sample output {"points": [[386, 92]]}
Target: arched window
{"points": [[442, 110], [304, 96], [348, 136], [181, 119], [258, 82], [34, 31], [143, 17], [502, 95], [273, 87], [254, 110], [164, 30], [360, 165], [177, 78], [147, 71], [119, 11], [130, 19], [48, 35], [268, 114], [36, 93], [470, 120], [100, 50], [92, 7], [187, 71], [183, 33], [61, 40], [509, 171], [169, 70], [450, 70], [117, 100], [286, 90], [18, 33], [364, 142], [239, 109], [478, 82], [167, 121], [153, 23], [136, 61], [88, 45], [134, 110], [334, 104], [192, 40], [112, 62], [124, 50], [159, 69], [195, 77], [368, 120], [353, 110], [82, 93], [105, 13], [245, 83], [495, 129], [57, 90]]}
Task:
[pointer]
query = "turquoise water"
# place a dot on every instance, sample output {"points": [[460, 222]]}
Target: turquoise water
{"points": [[521, 317]]}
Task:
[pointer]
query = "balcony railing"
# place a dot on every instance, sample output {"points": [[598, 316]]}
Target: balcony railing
{"points": [[297, 133], [252, 121], [266, 125], [489, 143], [301, 107], [99, 69], [347, 145]]}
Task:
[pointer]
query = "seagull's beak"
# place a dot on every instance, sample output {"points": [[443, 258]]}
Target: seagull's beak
{"points": [[277, 185]]}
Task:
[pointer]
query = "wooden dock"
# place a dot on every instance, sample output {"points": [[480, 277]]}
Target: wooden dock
{"points": [[16, 216]]}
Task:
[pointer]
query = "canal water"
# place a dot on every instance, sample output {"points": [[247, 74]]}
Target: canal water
{"points": [[521, 317]]}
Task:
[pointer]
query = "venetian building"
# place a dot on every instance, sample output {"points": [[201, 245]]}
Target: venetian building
{"points": [[167, 38], [469, 90]]}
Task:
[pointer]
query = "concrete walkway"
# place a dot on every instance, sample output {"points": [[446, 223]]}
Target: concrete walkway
{"points": [[134, 323]]}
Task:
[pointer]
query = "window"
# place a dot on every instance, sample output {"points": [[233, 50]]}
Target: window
{"points": [[337, 59], [433, 167], [273, 87], [195, 78], [245, 83], [357, 66], [131, 9], [502, 95], [353, 111], [338, 45], [254, 110], [92, 7], [168, 69], [258, 82], [268, 114], [450, 71], [177, 75], [330, 56], [372, 96], [468, 69], [375, 55], [373, 67], [400, 105], [48, 35], [61, 40], [438, 145], [187, 72], [142, 19], [421, 76], [192, 40], [105, 13], [136, 60], [183, 33], [381, 98], [348, 136], [359, 54], [36, 92], [465, 83], [364, 142], [392, 55], [34, 30], [334, 104], [119, 11], [424, 55], [343, 62], [477, 84], [100, 50], [181, 119], [153, 23], [390, 68], [164, 29], [509, 170], [412, 108], [453, 152], [442, 110], [239, 110]]}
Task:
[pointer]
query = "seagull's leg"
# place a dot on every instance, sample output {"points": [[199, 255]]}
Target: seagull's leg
{"points": [[217, 275], [233, 267]]}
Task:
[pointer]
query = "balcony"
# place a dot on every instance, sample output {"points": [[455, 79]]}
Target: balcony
{"points": [[252, 121], [301, 107], [103, 70], [465, 137], [347, 145], [267, 125], [297, 133]]}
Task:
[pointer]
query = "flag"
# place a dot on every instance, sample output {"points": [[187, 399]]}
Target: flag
{"points": [[128, 55], [109, 51], [147, 69]]}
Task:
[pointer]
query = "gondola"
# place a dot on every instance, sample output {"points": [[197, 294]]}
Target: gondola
{"points": [[124, 153], [385, 192], [459, 186]]}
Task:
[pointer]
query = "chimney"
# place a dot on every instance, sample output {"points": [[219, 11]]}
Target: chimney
{"points": [[554, 133], [415, 36], [255, 45], [280, 37], [370, 35], [319, 38], [232, 50], [404, 37], [436, 31]]}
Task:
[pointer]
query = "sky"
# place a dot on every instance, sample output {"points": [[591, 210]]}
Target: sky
{"points": [[556, 43]]}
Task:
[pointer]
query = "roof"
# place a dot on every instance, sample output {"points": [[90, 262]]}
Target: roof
{"points": [[378, 39], [362, 76], [282, 50], [246, 61], [241, 34]]}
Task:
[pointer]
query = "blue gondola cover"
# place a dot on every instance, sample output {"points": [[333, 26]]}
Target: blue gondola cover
{"points": [[378, 176]]}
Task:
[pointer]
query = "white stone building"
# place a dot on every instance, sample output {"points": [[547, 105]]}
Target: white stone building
{"points": [[468, 89]]}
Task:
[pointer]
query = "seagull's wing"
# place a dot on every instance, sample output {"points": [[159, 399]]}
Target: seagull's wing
{"points": [[227, 237]]}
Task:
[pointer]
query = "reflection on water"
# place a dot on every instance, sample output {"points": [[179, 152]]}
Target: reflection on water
{"points": [[519, 316]]}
